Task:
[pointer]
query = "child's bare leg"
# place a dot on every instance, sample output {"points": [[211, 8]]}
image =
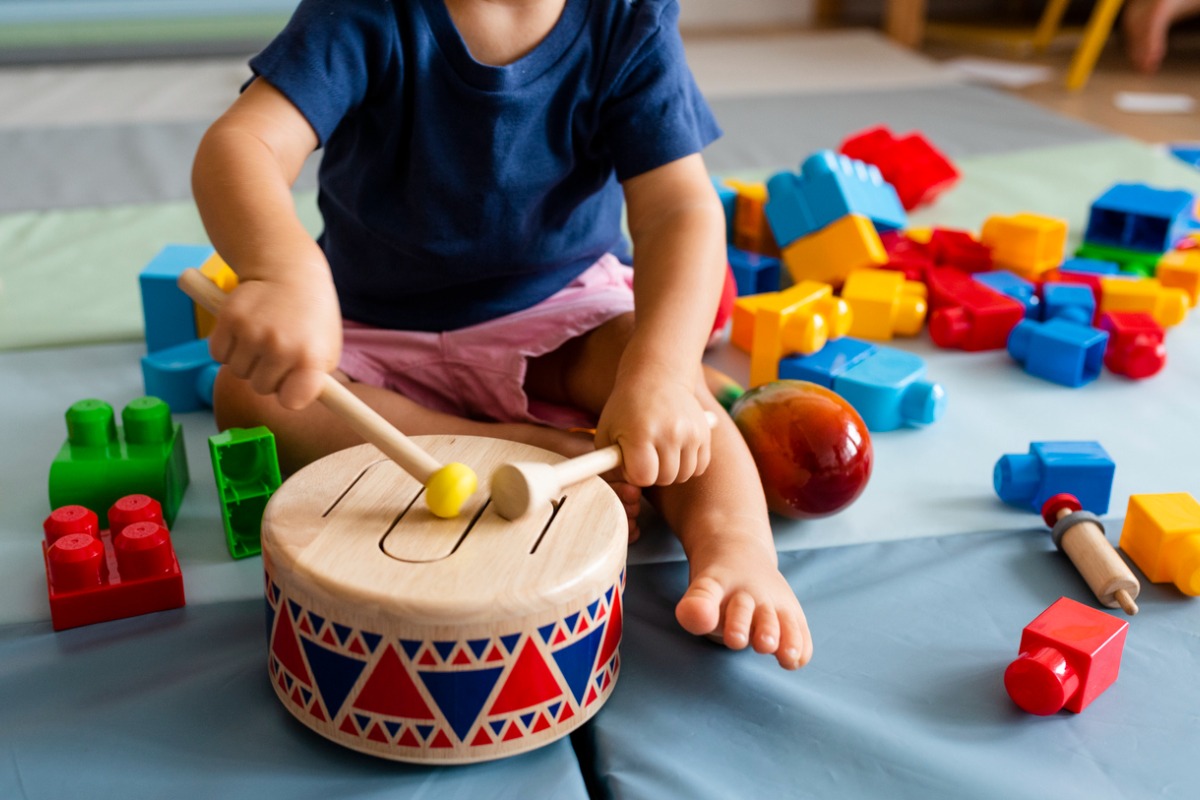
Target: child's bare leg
{"points": [[735, 590], [1147, 23]]}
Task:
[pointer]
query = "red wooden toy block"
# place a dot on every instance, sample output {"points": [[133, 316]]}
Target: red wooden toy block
{"points": [[968, 315], [918, 170], [96, 576], [1135, 343], [1068, 656]]}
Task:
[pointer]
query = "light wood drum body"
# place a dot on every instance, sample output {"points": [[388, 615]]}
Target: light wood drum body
{"points": [[410, 637]]}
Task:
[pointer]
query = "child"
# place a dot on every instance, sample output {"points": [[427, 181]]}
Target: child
{"points": [[1146, 24], [477, 154]]}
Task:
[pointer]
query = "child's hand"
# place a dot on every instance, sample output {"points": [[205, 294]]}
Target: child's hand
{"points": [[661, 428], [283, 336]]}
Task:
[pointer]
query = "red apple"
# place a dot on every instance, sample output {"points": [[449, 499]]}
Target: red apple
{"points": [[812, 448]]}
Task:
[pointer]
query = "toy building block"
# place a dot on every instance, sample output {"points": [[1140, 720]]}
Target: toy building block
{"points": [[168, 313], [216, 270], [1068, 656], [806, 316], [745, 310], [1091, 266], [1072, 302], [96, 576], [918, 170], [1140, 217], [750, 229], [833, 252], [1187, 153], [182, 375], [1028, 244], [754, 273], [728, 197], [906, 256], [1180, 269], [100, 462], [1162, 537], [1013, 285], [883, 304], [246, 469], [828, 187], [959, 249], [886, 386], [1059, 351], [1081, 469], [968, 315], [1167, 304], [1135, 344], [1131, 262], [1080, 534]]}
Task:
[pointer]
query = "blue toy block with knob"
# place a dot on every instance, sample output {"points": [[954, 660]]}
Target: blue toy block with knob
{"points": [[1016, 287], [754, 273], [1059, 351], [182, 375], [1072, 302], [1080, 468], [169, 314], [1141, 217]]}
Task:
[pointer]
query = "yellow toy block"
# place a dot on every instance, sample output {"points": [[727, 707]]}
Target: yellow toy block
{"points": [[883, 304], [919, 235], [220, 273], [751, 231], [805, 317], [832, 253], [741, 333], [1167, 304], [1027, 244], [1162, 536], [1180, 269]]}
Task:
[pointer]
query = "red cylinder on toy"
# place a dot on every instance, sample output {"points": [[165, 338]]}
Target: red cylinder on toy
{"points": [[66, 520], [143, 551], [133, 508], [76, 562]]}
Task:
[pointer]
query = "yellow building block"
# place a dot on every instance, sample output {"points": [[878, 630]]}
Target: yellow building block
{"points": [[1167, 304], [751, 231], [1180, 269], [1162, 536], [919, 235], [883, 304], [833, 252], [1027, 244], [220, 273], [805, 317]]}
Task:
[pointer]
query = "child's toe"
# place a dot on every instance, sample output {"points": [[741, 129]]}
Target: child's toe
{"points": [[739, 613], [765, 638], [795, 644], [699, 611]]}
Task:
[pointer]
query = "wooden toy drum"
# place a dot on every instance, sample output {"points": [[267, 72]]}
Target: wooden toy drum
{"points": [[410, 637]]}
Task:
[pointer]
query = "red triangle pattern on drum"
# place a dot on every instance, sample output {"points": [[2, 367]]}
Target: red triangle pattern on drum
{"points": [[441, 740], [529, 683], [285, 648], [390, 690], [612, 637], [376, 734], [481, 738], [408, 739]]}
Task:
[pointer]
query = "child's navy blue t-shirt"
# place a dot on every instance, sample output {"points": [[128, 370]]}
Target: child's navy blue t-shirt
{"points": [[454, 192]]}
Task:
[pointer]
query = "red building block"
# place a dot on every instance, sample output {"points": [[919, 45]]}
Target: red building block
{"points": [[959, 249], [968, 315], [918, 170], [96, 576], [1068, 656], [906, 255], [1135, 343]]}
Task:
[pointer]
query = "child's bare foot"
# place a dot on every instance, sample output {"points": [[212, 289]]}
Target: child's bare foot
{"points": [[1146, 23], [738, 595]]}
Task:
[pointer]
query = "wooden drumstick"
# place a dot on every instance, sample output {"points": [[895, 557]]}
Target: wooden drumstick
{"points": [[447, 486], [1080, 535], [520, 486]]}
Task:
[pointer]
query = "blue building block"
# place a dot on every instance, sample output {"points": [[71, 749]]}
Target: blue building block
{"points": [[886, 386], [1016, 287], [1140, 217], [728, 197], [828, 187], [1059, 351], [1072, 302], [823, 366], [1090, 266], [182, 375], [1187, 153], [169, 314], [1083, 469], [754, 273]]}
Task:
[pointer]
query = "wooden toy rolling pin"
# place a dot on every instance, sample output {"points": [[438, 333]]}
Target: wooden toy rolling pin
{"points": [[447, 486], [1080, 535], [520, 486]]}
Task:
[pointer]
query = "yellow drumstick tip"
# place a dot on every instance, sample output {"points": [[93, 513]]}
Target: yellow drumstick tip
{"points": [[449, 488]]}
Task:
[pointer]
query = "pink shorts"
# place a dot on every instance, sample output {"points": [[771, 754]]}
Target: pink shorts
{"points": [[479, 372]]}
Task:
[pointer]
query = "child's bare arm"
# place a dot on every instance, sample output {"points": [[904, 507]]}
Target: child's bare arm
{"points": [[280, 328], [677, 226]]}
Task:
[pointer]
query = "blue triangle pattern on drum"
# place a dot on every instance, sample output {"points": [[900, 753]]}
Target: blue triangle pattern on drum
{"points": [[372, 640], [393, 727], [527, 719], [553, 710], [343, 632], [424, 730], [576, 659], [592, 609], [461, 695], [317, 622], [411, 646], [546, 630], [333, 673], [498, 725], [608, 595], [296, 610], [570, 622], [444, 648], [306, 694], [510, 641], [363, 721], [274, 592], [477, 646]]}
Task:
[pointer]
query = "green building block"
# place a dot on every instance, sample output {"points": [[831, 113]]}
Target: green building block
{"points": [[1131, 262], [102, 462], [247, 472]]}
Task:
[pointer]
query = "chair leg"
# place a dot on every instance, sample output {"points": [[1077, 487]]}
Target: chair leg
{"points": [[1094, 36], [904, 21], [1047, 27]]}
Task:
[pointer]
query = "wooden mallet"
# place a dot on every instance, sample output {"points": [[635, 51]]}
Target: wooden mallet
{"points": [[447, 486], [1080, 535], [520, 486]]}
